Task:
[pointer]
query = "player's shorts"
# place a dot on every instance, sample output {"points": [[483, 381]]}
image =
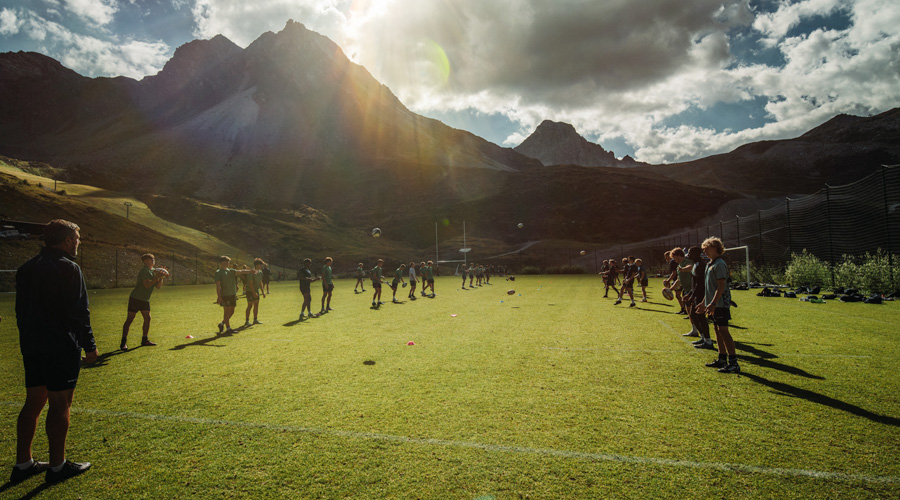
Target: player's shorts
{"points": [[394, 283], [430, 281], [677, 287], [251, 298], [135, 305], [229, 300], [611, 281], [265, 281], [327, 287], [376, 284], [721, 316], [628, 284], [645, 282], [57, 371], [304, 289]]}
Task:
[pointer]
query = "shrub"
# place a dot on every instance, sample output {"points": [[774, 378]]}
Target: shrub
{"points": [[531, 270], [805, 269], [847, 274], [875, 273], [761, 273]]}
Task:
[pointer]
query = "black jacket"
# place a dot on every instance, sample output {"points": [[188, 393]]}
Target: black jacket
{"points": [[52, 305]]}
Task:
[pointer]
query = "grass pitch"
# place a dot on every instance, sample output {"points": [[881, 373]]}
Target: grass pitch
{"points": [[552, 392]]}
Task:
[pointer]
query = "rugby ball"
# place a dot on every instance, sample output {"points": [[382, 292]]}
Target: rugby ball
{"points": [[510, 292], [520, 225], [667, 293], [376, 233], [583, 252]]}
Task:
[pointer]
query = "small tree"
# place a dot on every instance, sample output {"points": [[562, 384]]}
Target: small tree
{"points": [[875, 273], [805, 269]]}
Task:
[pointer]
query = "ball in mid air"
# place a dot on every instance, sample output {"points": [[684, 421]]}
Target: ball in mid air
{"points": [[582, 252], [520, 225], [667, 293], [376, 233], [510, 292]]}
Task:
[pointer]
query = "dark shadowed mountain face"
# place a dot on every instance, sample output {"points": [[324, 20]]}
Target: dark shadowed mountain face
{"points": [[220, 121], [556, 143], [840, 151]]}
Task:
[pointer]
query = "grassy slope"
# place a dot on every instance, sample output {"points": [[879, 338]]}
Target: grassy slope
{"points": [[532, 397]]}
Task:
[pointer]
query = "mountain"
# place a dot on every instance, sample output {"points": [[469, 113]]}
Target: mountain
{"points": [[227, 123], [557, 143], [840, 151]]}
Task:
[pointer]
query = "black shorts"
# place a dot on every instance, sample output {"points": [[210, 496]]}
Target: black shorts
{"points": [[304, 290], [611, 281], [430, 281], [57, 371], [327, 287], [721, 316], [394, 284], [135, 305], [376, 284], [251, 298], [265, 281], [644, 282], [229, 300]]}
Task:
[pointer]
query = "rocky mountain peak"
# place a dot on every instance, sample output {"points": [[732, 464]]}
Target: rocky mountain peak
{"points": [[558, 143]]}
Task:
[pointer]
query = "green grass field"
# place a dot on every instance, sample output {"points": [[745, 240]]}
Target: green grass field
{"points": [[554, 393]]}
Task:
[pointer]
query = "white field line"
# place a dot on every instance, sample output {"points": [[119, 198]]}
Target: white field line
{"points": [[548, 452]]}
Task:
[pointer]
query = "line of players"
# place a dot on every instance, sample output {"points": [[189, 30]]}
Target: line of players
{"points": [[700, 288], [424, 273]]}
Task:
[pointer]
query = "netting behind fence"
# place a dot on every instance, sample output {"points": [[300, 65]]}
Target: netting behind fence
{"points": [[831, 223]]}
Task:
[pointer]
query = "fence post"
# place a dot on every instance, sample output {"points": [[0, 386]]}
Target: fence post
{"points": [[737, 225], [721, 230], [787, 210], [887, 225], [830, 236], [116, 250], [762, 251]]}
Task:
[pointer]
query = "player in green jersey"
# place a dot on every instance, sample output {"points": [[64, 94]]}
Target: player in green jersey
{"points": [[327, 286], [254, 290], [148, 279]]}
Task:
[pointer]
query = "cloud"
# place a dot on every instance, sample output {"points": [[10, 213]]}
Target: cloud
{"points": [[98, 12], [92, 56], [244, 22], [9, 22]]}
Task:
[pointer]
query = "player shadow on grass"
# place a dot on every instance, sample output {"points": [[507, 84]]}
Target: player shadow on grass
{"points": [[31, 494], [814, 397], [765, 359], [103, 359], [203, 342]]}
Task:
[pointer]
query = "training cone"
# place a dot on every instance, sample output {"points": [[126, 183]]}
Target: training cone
{"points": [[410, 343], [189, 337]]}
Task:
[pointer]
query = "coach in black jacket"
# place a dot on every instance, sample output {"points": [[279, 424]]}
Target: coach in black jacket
{"points": [[54, 326]]}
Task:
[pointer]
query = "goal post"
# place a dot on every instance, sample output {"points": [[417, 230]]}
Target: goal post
{"points": [[746, 262]]}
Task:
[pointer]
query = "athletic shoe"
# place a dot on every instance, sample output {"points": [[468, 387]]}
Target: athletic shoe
{"points": [[617, 302], [221, 327], [423, 293], [412, 298], [432, 295], [374, 304], [632, 304], [323, 311], [364, 289], [147, 343], [380, 303], [730, 368], [247, 324], [718, 363], [395, 301], [687, 317], [70, 469], [329, 308], [231, 330], [123, 346], [704, 345], [257, 322], [18, 475], [643, 300], [311, 315], [698, 342], [301, 318], [605, 297], [691, 333]]}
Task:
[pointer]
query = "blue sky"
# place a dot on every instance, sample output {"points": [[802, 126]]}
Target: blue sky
{"points": [[663, 81]]}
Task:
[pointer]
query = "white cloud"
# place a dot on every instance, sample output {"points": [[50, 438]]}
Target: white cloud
{"points": [[9, 22], [91, 56], [243, 22], [99, 12]]}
